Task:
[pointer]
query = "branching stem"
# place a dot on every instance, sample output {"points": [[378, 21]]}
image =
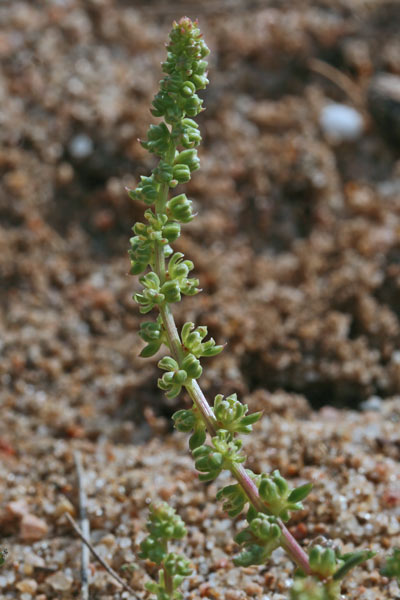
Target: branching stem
{"points": [[289, 543], [291, 546], [177, 101]]}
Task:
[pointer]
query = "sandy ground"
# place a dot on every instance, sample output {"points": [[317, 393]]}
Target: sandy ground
{"points": [[297, 249]]}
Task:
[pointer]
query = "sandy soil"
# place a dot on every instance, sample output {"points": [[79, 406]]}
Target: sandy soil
{"points": [[297, 249]]}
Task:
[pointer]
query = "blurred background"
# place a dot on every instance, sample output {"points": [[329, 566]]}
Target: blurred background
{"points": [[296, 242]]}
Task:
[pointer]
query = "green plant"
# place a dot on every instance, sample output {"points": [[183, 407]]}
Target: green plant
{"points": [[392, 565], [163, 526], [269, 498], [329, 568]]}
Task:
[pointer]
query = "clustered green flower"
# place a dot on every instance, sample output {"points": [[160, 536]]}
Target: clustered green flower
{"points": [[176, 102], [258, 540], [163, 526], [165, 280]]}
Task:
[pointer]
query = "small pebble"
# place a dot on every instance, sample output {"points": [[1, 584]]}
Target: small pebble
{"points": [[81, 146], [341, 123], [32, 528], [18, 508], [374, 403], [59, 581], [64, 506], [28, 586]]}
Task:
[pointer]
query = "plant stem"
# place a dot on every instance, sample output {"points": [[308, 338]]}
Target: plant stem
{"points": [[200, 401], [291, 546], [174, 341], [294, 550], [168, 582]]}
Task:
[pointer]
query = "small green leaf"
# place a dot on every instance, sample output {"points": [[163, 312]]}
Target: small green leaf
{"points": [[150, 350], [197, 438], [299, 493], [353, 560]]}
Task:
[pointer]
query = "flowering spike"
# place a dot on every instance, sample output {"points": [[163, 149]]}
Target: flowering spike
{"points": [[164, 525], [270, 497]]}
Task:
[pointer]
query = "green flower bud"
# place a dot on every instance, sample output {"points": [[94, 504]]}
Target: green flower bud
{"points": [[163, 172], [265, 528], [275, 491], [187, 420], [230, 413], [252, 555], [150, 281], [172, 390], [181, 173], [171, 291], [193, 105], [172, 83], [147, 190], [200, 81], [172, 381], [188, 89], [322, 560], [187, 134], [208, 462], [151, 294], [140, 255], [152, 587], [164, 523], [152, 549], [152, 333], [308, 589], [168, 364], [171, 231], [184, 420], [234, 499], [176, 564], [259, 540], [268, 491], [177, 268], [228, 410], [158, 139], [189, 158], [200, 67], [180, 209], [192, 366], [173, 113]]}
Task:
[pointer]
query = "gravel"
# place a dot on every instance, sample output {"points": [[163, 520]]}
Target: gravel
{"points": [[297, 249]]}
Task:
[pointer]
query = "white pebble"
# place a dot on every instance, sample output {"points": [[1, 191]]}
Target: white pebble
{"points": [[341, 123], [374, 403], [27, 586], [59, 581], [81, 146]]}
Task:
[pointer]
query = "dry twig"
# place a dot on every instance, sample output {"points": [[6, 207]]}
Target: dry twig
{"points": [[85, 526], [107, 567], [340, 79]]}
